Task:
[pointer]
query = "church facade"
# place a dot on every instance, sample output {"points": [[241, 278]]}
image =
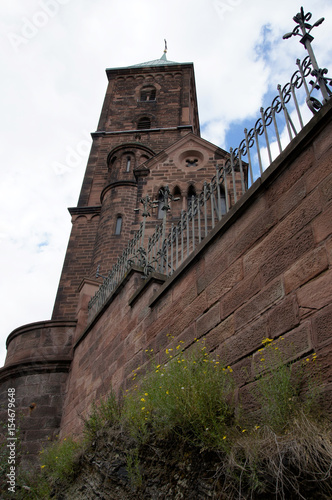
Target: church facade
{"points": [[240, 268]]}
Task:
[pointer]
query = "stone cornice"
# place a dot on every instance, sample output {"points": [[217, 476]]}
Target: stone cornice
{"points": [[38, 325], [84, 210], [103, 133], [115, 185], [34, 367]]}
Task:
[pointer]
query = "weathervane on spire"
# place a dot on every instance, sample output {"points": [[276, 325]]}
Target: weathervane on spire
{"points": [[165, 50], [301, 20]]}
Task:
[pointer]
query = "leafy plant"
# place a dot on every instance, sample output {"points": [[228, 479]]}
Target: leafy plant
{"points": [[58, 466], [281, 451], [106, 412], [133, 468], [190, 394], [283, 389]]}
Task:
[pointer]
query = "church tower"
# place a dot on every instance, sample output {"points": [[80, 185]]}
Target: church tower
{"points": [[147, 107], [147, 140]]}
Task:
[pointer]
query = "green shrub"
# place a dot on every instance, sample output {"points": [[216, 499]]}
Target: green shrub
{"points": [[191, 394], [106, 412], [295, 464], [133, 468], [283, 389], [58, 465]]}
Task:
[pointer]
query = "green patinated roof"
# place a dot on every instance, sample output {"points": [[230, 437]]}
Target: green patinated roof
{"points": [[157, 62], [163, 61]]}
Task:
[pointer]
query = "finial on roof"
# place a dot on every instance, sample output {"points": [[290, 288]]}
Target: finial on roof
{"points": [[163, 57]]}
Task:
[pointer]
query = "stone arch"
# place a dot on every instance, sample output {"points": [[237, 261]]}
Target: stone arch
{"points": [[117, 159], [80, 218], [94, 218], [143, 123], [148, 93], [190, 193], [142, 159]]}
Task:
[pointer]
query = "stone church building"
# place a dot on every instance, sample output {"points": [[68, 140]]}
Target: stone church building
{"points": [[210, 257]]}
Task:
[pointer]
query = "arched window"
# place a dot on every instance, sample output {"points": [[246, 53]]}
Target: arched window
{"points": [[160, 204], [118, 225], [143, 159], [148, 93], [144, 123], [177, 202], [191, 193], [112, 163]]}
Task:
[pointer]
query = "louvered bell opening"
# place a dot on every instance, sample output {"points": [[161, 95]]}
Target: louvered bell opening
{"points": [[144, 123]]}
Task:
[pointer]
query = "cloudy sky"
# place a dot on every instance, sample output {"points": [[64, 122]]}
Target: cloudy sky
{"points": [[54, 54]]}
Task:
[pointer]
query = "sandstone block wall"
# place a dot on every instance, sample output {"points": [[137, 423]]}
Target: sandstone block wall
{"points": [[37, 366], [265, 270]]}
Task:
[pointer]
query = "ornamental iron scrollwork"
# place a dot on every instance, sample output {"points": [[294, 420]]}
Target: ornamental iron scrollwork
{"points": [[321, 82]]}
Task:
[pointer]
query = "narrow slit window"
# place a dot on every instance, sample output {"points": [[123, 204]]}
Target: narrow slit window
{"points": [[223, 208], [128, 164], [118, 226]]}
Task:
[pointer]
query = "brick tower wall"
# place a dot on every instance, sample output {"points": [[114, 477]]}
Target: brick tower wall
{"points": [[77, 264], [173, 114], [118, 200]]}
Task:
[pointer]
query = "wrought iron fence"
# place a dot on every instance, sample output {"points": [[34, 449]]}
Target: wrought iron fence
{"points": [[276, 127]]}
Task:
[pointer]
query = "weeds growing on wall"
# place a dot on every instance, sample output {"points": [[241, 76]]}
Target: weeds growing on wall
{"points": [[106, 412], [277, 450], [191, 395], [283, 389], [58, 465]]}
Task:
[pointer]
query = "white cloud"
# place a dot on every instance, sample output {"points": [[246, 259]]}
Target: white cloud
{"points": [[52, 88]]}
